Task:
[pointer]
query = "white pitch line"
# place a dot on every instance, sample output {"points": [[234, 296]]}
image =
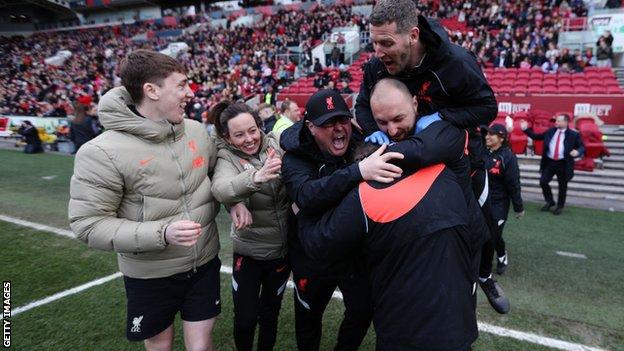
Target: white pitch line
{"points": [[484, 327], [534, 338], [37, 226], [571, 254], [65, 293]]}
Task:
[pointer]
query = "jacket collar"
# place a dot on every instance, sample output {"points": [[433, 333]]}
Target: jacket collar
{"points": [[115, 113]]}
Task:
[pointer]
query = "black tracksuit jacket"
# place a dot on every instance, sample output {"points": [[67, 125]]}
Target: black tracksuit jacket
{"points": [[315, 182], [504, 176], [449, 81]]}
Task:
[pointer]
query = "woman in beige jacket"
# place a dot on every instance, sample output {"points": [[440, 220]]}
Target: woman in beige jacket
{"points": [[247, 180]]}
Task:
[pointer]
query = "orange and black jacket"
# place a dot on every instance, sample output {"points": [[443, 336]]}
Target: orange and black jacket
{"points": [[442, 142], [416, 243]]}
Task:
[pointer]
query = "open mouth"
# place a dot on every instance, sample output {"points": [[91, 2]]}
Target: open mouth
{"points": [[182, 107], [339, 142], [249, 147]]}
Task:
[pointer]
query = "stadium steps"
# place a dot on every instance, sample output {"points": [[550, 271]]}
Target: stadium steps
{"points": [[605, 183], [614, 141], [619, 75]]}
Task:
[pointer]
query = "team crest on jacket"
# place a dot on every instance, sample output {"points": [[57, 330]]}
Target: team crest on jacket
{"points": [[238, 264], [496, 169], [246, 165], [302, 284], [423, 92], [330, 103]]}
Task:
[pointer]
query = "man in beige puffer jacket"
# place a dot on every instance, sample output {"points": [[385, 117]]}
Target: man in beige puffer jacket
{"points": [[142, 189]]}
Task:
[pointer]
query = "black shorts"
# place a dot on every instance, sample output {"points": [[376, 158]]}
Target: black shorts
{"points": [[153, 303]]}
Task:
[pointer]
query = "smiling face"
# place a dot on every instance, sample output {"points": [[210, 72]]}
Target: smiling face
{"points": [[395, 114], [332, 136], [169, 97], [493, 141], [244, 134], [394, 49]]}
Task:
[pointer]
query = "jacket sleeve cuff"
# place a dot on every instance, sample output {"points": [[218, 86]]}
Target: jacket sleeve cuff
{"points": [[151, 236], [354, 173], [243, 185]]}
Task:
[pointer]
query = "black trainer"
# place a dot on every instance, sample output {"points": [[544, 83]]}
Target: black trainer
{"points": [[495, 295], [501, 265], [547, 207], [558, 211]]}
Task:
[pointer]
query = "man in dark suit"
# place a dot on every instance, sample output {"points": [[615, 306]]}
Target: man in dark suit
{"points": [[561, 146]]}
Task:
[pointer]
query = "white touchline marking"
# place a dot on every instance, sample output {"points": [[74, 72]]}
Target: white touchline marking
{"points": [[65, 293], [534, 338], [37, 226], [484, 327], [49, 177], [571, 254]]}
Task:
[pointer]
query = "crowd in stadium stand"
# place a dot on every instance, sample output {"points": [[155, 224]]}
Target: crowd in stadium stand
{"points": [[239, 62], [523, 34], [222, 63]]}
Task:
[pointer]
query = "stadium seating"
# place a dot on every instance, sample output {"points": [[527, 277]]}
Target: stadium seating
{"points": [[512, 81]]}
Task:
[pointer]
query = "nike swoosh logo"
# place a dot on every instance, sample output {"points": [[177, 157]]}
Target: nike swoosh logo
{"points": [[146, 161], [280, 269]]}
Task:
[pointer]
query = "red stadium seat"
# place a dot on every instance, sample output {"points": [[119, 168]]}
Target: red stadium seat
{"points": [[585, 123], [521, 115], [519, 89], [505, 89], [565, 90], [614, 90], [537, 74], [518, 141], [597, 89], [581, 89], [550, 89], [535, 82], [534, 90], [564, 81]]}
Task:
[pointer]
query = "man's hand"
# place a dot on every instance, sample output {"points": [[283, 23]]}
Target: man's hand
{"points": [[520, 215], [183, 233], [241, 217], [574, 153], [270, 170], [376, 167], [378, 138], [524, 125]]}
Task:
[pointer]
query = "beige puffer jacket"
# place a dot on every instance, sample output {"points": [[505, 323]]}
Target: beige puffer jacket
{"points": [[137, 177], [268, 203]]}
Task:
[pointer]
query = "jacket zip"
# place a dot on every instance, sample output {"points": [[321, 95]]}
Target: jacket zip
{"points": [[187, 212]]}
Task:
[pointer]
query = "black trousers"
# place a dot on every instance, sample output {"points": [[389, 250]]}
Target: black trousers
{"points": [[480, 188], [257, 289], [33, 148], [312, 294], [552, 168], [498, 212]]}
